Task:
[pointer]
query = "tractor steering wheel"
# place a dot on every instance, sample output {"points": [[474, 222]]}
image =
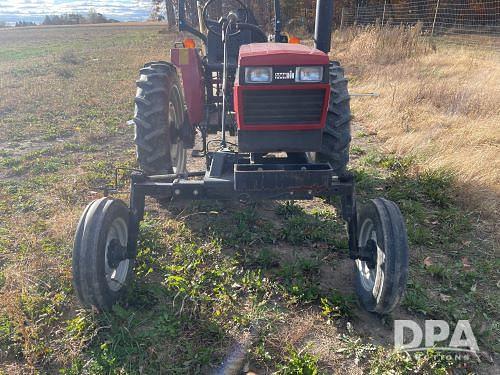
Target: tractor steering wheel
{"points": [[210, 23]]}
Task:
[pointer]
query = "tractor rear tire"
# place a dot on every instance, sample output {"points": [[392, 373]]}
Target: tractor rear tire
{"points": [[159, 118], [337, 132]]}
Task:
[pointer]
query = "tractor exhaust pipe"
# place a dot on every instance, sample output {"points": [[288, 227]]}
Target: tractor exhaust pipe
{"points": [[323, 25]]}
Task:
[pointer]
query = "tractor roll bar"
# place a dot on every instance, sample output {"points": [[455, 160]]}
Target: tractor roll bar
{"points": [[185, 26], [322, 28]]}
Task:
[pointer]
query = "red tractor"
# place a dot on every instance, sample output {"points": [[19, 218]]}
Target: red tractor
{"points": [[288, 107]]}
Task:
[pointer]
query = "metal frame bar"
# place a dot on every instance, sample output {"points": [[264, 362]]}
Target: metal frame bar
{"points": [[182, 189]]}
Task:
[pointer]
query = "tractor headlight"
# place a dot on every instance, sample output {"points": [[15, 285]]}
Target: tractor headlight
{"points": [[258, 74], [309, 74]]}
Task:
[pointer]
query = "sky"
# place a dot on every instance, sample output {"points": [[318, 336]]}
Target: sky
{"points": [[35, 10]]}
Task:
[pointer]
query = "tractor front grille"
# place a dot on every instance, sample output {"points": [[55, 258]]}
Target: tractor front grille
{"points": [[280, 107]]}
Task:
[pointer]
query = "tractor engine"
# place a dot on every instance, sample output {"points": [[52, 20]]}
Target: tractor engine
{"points": [[281, 95]]}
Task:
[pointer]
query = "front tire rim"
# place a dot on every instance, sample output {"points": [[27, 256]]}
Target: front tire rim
{"points": [[177, 151], [312, 157], [117, 276], [368, 276]]}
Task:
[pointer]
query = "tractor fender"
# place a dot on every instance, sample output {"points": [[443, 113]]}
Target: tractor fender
{"points": [[188, 61]]}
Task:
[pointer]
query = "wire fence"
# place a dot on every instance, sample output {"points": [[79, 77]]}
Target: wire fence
{"points": [[465, 21]]}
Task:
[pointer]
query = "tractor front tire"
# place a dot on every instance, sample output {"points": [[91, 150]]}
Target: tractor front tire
{"points": [[381, 284], [101, 269], [337, 131], [159, 118]]}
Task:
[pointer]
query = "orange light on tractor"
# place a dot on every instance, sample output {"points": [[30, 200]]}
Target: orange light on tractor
{"points": [[294, 40], [189, 43]]}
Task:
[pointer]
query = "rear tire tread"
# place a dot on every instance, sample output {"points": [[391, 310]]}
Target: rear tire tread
{"points": [[337, 131], [152, 136]]}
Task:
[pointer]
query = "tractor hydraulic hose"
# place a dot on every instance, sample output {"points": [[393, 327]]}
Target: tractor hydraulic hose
{"points": [[201, 24], [225, 36]]}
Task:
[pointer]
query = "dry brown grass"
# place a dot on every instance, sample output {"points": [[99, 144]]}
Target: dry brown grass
{"points": [[381, 45], [439, 104]]}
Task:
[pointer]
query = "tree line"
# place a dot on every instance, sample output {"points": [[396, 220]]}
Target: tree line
{"points": [[18, 24], [92, 17]]}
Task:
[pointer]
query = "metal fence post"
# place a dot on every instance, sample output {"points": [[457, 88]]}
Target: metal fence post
{"points": [[357, 13], [341, 18], [383, 13], [435, 16]]}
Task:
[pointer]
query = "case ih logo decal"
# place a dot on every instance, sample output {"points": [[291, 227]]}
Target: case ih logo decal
{"points": [[284, 75]]}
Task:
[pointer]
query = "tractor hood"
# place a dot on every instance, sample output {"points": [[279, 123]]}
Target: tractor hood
{"points": [[266, 54]]}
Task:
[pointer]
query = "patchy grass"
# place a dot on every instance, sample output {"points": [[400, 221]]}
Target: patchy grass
{"points": [[210, 274], [430, 362]]}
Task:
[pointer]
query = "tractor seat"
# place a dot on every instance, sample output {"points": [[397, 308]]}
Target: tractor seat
{"points": [[215, 48]]}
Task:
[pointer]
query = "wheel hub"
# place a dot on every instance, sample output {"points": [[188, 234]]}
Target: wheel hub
{"points": [[368, 253], [367, 256], [116, 253]]}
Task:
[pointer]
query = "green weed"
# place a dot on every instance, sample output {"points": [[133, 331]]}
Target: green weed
{"points": [[337, 306], [300, 280], [266, 259], [366, 180], [288, 209], [316, 226], [299, 363], [241, 228], [354, 347], [415, 299], [356, 150], [8, 339]]}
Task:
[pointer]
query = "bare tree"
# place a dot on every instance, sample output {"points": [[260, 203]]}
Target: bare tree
{"points": [[155, 14], [166, 10], [170, 13]]}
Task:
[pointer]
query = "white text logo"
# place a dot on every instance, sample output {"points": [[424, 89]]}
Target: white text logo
{"points": [[434, 334]]}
